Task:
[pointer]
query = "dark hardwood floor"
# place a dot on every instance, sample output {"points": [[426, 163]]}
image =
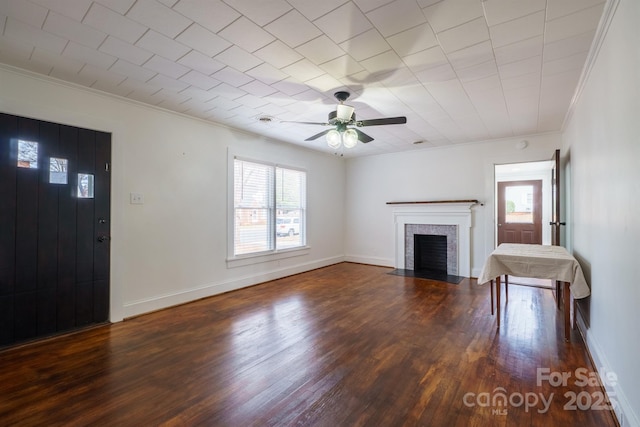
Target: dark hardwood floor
{"points": [[345, 345]]}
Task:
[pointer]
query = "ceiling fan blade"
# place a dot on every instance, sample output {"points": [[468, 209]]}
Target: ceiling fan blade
{"points": [[318, 135], [385, 121], [306, 123], [363, 137]]}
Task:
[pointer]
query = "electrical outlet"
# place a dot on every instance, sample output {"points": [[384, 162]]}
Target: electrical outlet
{"points": [[136, 198]]}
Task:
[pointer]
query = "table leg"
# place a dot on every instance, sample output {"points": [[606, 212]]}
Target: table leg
{"points": [[498, 299], [558, 294], [566, 295], [491, 290], [506, 287]]}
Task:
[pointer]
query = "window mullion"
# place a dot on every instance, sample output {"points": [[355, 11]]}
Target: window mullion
{"points": [[272, 210]]}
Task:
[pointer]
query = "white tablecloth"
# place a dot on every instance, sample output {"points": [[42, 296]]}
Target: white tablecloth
{"points": [[536, 261]]}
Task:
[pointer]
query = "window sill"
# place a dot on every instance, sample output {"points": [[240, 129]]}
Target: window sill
{"points": [[250, 259]]}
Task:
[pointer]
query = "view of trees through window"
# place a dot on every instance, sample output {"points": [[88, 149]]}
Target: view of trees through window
{"points": [[27, 154], [269, 207], [58, 170]]}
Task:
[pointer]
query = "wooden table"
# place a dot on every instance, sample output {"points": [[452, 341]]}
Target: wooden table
{"points": [[540, 262]]}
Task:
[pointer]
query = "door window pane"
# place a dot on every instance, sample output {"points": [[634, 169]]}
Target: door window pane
{"points": [[58, 170], [85, 186], [519, 204], [27, 154]]}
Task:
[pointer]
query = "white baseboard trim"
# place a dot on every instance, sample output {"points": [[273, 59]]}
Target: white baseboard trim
{"points": [[360, 259], [623, 410], [389, 262], [135, 308]]}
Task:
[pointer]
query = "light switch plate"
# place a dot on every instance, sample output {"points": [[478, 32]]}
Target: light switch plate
{"points": [[136, 198]]}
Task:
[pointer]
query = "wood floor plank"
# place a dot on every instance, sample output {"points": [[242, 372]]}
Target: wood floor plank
{"points": [[345, 345]]}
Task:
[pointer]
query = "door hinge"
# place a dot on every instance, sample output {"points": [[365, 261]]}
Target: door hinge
{"points": [[106, 167]]}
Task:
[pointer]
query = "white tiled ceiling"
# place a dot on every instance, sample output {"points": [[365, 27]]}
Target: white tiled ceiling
{"points": [[459, 70]]}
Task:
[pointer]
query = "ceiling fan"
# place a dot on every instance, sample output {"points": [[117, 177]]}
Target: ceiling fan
{"points": [[342, 119]]}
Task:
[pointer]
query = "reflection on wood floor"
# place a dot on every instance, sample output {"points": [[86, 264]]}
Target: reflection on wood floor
{"points": [[343, 345]]}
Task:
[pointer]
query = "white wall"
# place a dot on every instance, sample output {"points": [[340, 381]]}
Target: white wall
{"points": [[602, 150], [173, 248], [446, 173]]}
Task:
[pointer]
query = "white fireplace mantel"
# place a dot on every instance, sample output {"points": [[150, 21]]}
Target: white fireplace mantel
{"points": [[458, 214]]}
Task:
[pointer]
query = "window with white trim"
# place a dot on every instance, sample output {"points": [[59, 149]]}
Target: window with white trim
{"points": [[269, 207]]}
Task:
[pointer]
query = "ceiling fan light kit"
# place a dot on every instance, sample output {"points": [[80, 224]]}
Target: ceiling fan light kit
{"points": [[350, 138], [345, 116], [334, 139]]}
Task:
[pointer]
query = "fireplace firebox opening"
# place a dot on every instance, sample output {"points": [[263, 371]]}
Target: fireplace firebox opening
{"points": [[430, 253]]}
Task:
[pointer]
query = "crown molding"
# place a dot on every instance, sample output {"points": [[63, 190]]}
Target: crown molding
{"points": [[608, 13]]}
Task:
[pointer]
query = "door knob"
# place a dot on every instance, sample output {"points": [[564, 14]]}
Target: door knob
{"points": [[102, 239]]}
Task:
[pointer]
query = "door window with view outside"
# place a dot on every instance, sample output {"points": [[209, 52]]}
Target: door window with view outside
{"points": [[519, 204]]}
